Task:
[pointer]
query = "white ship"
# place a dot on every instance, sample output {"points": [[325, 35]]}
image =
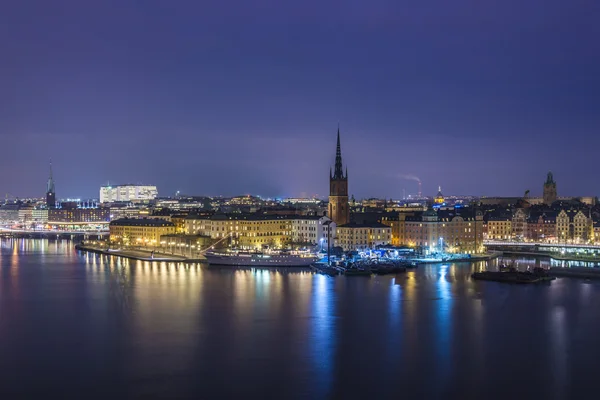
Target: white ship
{"points": [[248, 259]]}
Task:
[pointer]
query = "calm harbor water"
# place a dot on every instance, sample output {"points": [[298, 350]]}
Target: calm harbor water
{"points": [[76, 325]]}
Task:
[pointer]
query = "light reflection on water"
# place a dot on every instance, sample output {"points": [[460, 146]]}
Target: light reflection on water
{"points": [[188, 330]]}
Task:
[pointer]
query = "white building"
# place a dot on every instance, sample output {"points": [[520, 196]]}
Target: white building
{"points": [[133, 193], [39, 215]]}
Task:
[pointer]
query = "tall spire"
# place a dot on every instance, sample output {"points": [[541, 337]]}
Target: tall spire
{"points": [[50, 186], [338, 173]]}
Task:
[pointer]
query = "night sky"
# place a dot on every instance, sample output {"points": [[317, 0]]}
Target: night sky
{"points": [[236, 97]]}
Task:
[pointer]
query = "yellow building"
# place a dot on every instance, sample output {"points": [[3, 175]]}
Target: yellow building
{"points": [[450, 230], [354, 236], [573, 226], [254, 231], [179, 222], [498, 228], [397, 225], [139, 232]]}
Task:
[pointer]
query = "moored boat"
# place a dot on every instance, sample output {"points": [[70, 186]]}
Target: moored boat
{"points": [[257, 259]]}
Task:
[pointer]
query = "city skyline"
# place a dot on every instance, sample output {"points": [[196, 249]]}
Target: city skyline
{"points": [[480, 99]]}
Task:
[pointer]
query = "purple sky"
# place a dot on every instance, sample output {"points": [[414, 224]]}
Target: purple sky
{"points": [[233, 97]]}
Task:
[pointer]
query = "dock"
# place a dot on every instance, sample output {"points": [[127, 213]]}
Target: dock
{"points": [[137, 254], [576, 272]]}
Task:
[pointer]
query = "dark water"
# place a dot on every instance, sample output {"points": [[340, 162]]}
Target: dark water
{"points": [[87, 326]]}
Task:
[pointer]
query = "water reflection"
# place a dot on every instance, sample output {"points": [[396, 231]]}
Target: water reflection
{"points": [[523, 263], [444, 320], [176, 330], [323, 327]]}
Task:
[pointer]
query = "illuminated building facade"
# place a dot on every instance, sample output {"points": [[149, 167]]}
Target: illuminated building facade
{"points": [[338, 208], [451, 230], [253, 231], [78, 215], [541, 227], [139, 232], [39, 215], [9, 213], [353, 236], [519, 224], [550, 195], [498, 227], [127, 193], [573, 226]]}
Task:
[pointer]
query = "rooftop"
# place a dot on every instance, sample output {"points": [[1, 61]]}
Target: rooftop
{"points": [[365, 225], [253, 217], [141, 222]]}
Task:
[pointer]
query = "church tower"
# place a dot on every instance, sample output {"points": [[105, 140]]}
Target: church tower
{"points": [[550, 190], [50, 193], [339, 211]]}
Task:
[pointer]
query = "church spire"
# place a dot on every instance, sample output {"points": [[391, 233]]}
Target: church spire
{"points": [[50, 186], [338, 173]]}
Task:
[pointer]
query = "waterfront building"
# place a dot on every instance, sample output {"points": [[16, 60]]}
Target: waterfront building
{"points": [[541, 227], [421, 230], [519, 223], [255, 231], [453, 230], [338, 208], [50, 191], [39, 215], [549, 190], [128, 193], [9, 213], [78, 216], [354, 236], [26, 214], [574, 226], [139, 231], [397, 222], [179, 221], [498, 226], [459, 229], [597, 232]]}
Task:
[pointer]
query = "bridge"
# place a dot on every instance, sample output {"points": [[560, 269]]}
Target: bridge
{"points": [[49, 232], [558, 251], [541, 245]]}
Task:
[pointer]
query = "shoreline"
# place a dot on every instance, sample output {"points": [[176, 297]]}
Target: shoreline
{"points": [[474, 258], [139, 255], [556, 257]]}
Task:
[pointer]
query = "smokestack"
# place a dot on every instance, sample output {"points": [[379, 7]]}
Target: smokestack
{"points": [[419, 188]]}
